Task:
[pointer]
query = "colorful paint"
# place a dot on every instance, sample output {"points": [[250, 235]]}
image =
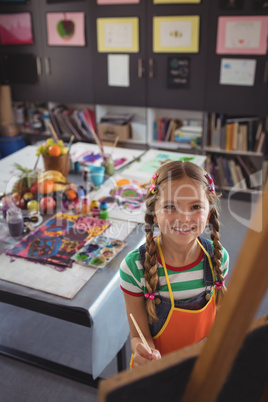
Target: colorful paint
{"points": [[59, 239], [99, 251]]}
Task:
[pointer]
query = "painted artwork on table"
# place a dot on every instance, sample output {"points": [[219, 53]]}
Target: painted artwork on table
{"points": [[176, 34], [92, 158], [150, 166], [124, 198], [16, 29], [56, 241], [66, 29], [242, 35], [99, 251]]}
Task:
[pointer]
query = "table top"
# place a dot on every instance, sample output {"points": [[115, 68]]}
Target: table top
{"points": [[78, 309]]}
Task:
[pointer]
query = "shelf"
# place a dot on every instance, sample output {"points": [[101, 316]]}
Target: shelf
{"points": [[223, 151]]}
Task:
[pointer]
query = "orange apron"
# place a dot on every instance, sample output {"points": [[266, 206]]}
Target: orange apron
{"points": [[183, 327]]}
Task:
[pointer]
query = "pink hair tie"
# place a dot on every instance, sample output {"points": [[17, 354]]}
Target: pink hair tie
{"points": [[218, 285], [153, 188], [149, 296], [211, 182]]}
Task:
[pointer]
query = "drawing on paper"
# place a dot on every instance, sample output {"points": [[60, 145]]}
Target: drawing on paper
{"points": [[59, 239], [66, 29], [16, 29], [150, 166]]}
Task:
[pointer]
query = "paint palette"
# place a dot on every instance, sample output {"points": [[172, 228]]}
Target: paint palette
{"points": [[99, 251]]}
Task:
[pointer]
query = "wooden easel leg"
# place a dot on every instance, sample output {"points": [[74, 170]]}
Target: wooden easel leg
{"points": [[247, 287]]}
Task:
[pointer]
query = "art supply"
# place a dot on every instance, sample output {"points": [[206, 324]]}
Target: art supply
{"points": [[96, 174], [108, 164], [70, 143], [95, 212], [85, 206], [104, 210], [56, 139], [94, 204], [15, 222], [140, 333]]}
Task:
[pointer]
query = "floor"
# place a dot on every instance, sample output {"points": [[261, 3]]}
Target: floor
{"points": [[66, 343]]}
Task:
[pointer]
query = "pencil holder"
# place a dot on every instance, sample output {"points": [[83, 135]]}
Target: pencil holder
{"points": [[60, 163]]}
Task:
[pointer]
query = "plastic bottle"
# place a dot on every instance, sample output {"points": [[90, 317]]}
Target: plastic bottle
{"points": [[104, 210]]}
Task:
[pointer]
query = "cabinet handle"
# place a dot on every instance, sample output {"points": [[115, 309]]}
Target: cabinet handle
{"points": [[140, 68], [265, 77], [47, 66], [38, 66], [151, 68]]}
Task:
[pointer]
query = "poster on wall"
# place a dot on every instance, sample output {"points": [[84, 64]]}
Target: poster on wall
{"points": [[108, 2], [118, 70], [237, 72], [118, 35], [66, 29], [242, 35], [231, 4], [178, 72], [16, 29], [176, 34]]}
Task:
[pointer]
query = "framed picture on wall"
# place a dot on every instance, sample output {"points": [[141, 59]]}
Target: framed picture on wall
{"points": [[118, 35], [242, 35], [66, 29], [176, 34], [16, 29]]}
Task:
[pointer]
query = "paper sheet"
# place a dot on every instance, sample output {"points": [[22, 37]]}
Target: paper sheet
{"points": [[118, 70], [237, 72]]}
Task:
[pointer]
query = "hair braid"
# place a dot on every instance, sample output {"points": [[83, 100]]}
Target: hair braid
{"points": [[150, 265], [215, 237]]}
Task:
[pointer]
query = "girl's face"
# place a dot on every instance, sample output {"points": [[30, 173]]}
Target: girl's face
{"points": [[181, 210]]}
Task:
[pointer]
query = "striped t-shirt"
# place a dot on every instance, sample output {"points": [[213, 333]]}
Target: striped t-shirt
{"points": [[186, 282]]}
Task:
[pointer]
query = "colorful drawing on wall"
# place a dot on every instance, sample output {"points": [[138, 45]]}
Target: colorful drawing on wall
{"points": [[66, 29], [176, 1], [237, 72], [106, 2], [176, 34], [118, 35], [16, 29], [99, 251], [242, 35], [231, 4], [59, 239]]}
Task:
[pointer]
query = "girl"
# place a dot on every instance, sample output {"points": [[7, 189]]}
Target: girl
{"points": [[173, 282]]}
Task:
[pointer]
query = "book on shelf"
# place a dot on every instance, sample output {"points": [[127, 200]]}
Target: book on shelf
{"points": [[236, 134], [229, 172], [164, 129]]}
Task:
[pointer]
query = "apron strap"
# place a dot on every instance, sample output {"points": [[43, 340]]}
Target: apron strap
{"points": [[165, 269], [209, 277]]}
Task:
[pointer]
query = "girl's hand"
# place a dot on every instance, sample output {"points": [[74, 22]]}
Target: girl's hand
{"points": [[142, 355]]}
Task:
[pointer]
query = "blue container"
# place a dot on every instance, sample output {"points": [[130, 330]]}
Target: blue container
{"points": [[8, 145]]}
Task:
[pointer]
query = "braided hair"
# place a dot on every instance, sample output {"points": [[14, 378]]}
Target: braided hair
{"points": [[178, 170]]}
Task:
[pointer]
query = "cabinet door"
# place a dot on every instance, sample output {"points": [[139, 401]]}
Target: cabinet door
{"points": [[187, 93], [235, 99], [21, 64], [68, 68], [110, 91]]}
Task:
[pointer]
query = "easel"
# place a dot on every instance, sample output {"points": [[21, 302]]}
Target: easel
{"points": [[217, 354]]}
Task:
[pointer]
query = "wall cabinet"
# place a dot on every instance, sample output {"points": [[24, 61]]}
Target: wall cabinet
{"points": [[64, 72]]}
